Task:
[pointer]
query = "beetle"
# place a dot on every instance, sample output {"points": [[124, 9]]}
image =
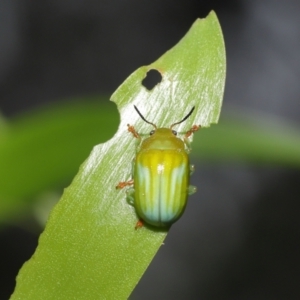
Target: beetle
{"points": [[161, 174]]}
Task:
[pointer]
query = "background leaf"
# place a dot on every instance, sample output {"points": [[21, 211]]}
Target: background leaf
{"points": [[253, 138], [39, 152], [89, 249]]}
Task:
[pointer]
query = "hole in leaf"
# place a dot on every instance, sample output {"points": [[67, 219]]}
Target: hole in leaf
{"points": [[152, 79]]}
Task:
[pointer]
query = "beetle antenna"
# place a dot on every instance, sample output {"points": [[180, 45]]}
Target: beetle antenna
{"points": [[144, 117], [183, 118]]}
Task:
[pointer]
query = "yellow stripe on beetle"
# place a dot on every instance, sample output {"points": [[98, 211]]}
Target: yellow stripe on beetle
{"points": [[161, 175]]}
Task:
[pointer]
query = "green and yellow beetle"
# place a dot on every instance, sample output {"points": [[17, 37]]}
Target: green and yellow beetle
{"points": [[161, 175]]}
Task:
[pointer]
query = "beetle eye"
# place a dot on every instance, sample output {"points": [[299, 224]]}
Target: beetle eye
{"points": [[152, 131], [174, 132]]}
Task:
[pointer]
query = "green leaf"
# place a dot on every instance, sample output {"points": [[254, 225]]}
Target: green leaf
{"points": [[89, 249], [41, 150], [253, 138]]}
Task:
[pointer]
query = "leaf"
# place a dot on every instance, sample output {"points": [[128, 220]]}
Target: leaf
{"points": [[42, 149], [253, 138], [89, 249]]}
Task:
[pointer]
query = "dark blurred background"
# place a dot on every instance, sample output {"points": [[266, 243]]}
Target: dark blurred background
{"points": [[239, 238]]}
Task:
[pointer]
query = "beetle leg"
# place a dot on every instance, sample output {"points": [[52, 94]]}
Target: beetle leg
{"points": [[192, 189], [188, 134], [139, 224], [192, 130], [192, 169], [133, 131], [130, 196], [122, 184]]}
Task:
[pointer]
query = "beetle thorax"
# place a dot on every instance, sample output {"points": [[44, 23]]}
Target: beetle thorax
{"points": [[163, 139]]}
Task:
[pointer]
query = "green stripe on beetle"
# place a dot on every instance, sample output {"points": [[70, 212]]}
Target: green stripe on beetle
{"points": [[161, 175]]}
